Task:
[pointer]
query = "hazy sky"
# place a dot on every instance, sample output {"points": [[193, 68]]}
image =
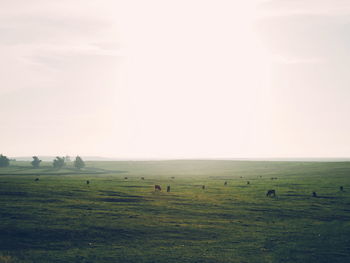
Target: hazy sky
{"points": [[175, 79]]}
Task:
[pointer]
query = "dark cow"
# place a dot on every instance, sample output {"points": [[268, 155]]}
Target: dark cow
{"points": [[168, 188], [36, 179], [87, 182], [271, 193], [314, 194], [248, 182], [341, 188], [225, 183], [173, 177], [125, 178], [142, 178], [157, 187], [203, 187]]}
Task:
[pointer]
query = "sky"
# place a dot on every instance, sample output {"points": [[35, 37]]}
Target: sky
{"points": [[175, 79]]}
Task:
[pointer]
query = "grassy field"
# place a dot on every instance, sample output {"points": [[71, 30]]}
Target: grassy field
{"points": [[62, 219]]}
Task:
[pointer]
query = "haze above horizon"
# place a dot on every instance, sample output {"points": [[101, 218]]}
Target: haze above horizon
{"points": [[175, 79]]}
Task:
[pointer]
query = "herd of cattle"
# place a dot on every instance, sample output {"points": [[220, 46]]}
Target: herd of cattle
{"points": [[269, 193]]}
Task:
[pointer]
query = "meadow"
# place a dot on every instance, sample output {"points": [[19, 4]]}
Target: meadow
{"points": [[61, 218]]}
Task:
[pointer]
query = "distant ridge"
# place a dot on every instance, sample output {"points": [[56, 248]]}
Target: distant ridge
{"points": [[50, 158], [282, 159]]}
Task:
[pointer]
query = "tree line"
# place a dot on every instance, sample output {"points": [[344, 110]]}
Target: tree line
{"points": [[57, 163]]}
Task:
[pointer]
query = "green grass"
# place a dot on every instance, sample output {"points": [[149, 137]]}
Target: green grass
{"points": [[62, 219]]}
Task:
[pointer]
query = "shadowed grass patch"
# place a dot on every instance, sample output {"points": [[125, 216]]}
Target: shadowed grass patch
{"points": [[62, 219]]}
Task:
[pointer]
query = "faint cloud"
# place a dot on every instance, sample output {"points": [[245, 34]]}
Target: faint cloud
{"points": [[304, 7], [296, 60], [39, 29], [37, 40], [306, 37]]}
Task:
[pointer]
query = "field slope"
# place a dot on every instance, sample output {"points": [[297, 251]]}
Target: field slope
{"points": [[61, 218]]}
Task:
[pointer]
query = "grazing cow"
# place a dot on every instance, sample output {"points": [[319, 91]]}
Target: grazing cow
{"points": [[87, 182], [125, 178], [142, 178], [341, 188], [173, 177], [271, 193], [248, 182], [314, 194], [157, 187], [241, 177], [203, 187], [36, 179], [225, 183], [168, 188]]}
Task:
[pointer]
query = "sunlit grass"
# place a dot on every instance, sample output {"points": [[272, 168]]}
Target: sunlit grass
{"points": [[62, 219]]}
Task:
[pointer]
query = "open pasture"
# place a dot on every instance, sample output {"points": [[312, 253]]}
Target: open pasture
{"points": [[61, 218]]}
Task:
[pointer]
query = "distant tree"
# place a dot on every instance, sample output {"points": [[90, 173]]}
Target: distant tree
{"points": [[59, 162], [79, 163], [4, 161], [36, 162]]}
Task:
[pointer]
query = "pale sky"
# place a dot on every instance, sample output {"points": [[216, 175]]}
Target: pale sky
{"points": [[175, 79]]}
